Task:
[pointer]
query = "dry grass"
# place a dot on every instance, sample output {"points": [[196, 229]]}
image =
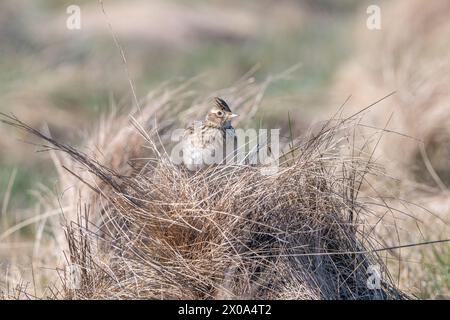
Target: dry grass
{"points": [[415, 65], [137, 226], [414, 61]]}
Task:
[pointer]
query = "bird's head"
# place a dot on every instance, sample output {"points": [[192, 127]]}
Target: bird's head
{"points": [[220, 115]]}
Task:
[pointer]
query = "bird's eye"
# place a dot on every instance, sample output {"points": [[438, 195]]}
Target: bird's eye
{"points": [[219, 113]]}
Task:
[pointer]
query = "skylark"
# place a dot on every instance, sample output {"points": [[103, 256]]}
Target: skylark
{"points": [[210, 141]]}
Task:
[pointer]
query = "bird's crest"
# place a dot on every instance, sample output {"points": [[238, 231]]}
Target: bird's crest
{"points": [[221, 104]]}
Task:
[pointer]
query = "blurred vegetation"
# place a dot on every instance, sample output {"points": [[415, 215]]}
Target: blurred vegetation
{"points": [[437, 284]]}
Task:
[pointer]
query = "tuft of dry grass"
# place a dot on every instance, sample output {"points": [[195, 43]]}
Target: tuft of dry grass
{"points": [[142, 227]]}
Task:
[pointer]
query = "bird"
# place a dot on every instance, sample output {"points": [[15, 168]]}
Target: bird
{"points": [[208, 142]]}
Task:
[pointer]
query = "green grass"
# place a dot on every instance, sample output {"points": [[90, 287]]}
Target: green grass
{"points": [[438, 283], [25, 181]]}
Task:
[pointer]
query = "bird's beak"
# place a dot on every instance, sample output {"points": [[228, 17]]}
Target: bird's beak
{"points": [[233, 115]]}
